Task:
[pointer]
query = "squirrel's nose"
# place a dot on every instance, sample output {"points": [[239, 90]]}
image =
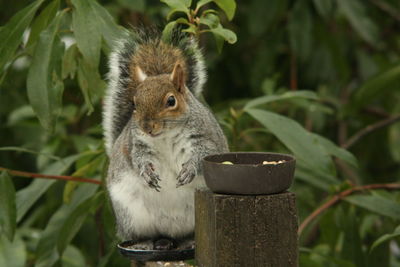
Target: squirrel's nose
{"points": [[149, 127]]}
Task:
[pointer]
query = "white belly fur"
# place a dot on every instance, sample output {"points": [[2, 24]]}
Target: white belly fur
{"points": [[168, 212]]}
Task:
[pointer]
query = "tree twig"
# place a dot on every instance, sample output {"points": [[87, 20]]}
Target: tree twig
{"points": [[369, 129], [387, 8], [336, 198], [377, 111], [45, 176]]}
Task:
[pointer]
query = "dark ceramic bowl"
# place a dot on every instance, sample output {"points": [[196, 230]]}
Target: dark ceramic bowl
{"points": [[247, 175], [154, 255]]}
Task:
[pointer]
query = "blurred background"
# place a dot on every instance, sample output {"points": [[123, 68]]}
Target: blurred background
{"points": [[319, 79]]}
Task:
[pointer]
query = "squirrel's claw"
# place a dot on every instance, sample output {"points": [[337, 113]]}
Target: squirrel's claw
{"points": [[151, 177], [187, 174]]}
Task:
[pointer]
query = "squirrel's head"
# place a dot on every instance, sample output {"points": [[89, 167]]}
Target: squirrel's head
{"points": [[159, 101]]}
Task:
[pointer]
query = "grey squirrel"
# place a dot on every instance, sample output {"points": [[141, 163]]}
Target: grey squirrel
{"points": [[156, 134]]}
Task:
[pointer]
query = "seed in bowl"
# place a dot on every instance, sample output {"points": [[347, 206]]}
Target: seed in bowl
{"points": [[227, 162], [273, 162]]}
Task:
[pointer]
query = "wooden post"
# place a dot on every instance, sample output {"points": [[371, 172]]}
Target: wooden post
{"points": [[240, 231], [159, 264], [137, 263]]}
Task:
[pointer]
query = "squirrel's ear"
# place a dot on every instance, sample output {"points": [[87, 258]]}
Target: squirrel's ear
{"points": [[140, 75], [178, 76]]}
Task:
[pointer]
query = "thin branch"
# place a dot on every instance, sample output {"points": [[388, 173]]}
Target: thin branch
{"points": [[336, 198], [45, 176], [387, 8], [369, 129], [377, 111]]}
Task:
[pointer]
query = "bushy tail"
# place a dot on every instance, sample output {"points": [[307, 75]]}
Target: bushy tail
{"points": [[118, 105]]}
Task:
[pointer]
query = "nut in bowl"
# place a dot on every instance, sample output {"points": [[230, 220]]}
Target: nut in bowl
{"points": [[249, 173]]}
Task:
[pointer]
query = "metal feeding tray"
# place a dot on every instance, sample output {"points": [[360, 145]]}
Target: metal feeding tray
{"points": [[249, 173], [154, 255]]}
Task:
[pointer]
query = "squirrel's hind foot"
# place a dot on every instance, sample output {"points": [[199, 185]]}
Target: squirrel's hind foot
{"points": [[186, 244], [143, 245], [164, 244]]}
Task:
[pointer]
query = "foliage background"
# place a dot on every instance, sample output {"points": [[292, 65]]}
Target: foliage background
{"points": [[342, 129]]}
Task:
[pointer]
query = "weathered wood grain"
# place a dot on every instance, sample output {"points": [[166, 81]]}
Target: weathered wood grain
{"points": [[240, 231]]}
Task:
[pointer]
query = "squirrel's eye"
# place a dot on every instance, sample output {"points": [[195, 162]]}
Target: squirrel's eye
{"points": [[171, 101]]}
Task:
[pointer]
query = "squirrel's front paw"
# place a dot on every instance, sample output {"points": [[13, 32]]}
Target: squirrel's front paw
{"points": [[187, 174], [150, 176]]}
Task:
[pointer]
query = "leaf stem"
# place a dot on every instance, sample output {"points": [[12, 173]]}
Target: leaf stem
{"points": [[336, 198], [45, 176]]}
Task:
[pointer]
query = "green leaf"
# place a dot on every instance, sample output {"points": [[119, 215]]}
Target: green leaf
{"points": [[8, 213], [324, 7], [11, 33], [377, 204], [90, 83], [47, 253], [22, 149], [70, 62], [334, 150], [356, 13], [228, 35], [46, 153], [74, 222], [27, 197], [191, 29], [300, 30], [175, 10], [202, 3], [12, 254], [351, 248], [73, 257], [92, 23], [219, 42], [42, 21], [385, 238], [43, 83], [182, 21], [210, 19], [87, 170], [111, 32], [304, 145], [177, 6], [377, 86], [287, 95], [69, 188], [209, 11], [228, 6], [20, 114], [320, 256], [104, 261], [135, 5], [86, 31], [323, 182], [167, 32]]}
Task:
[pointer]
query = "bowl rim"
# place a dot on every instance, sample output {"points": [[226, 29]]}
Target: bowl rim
{"points": [[206, 158], [154, 255]]}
